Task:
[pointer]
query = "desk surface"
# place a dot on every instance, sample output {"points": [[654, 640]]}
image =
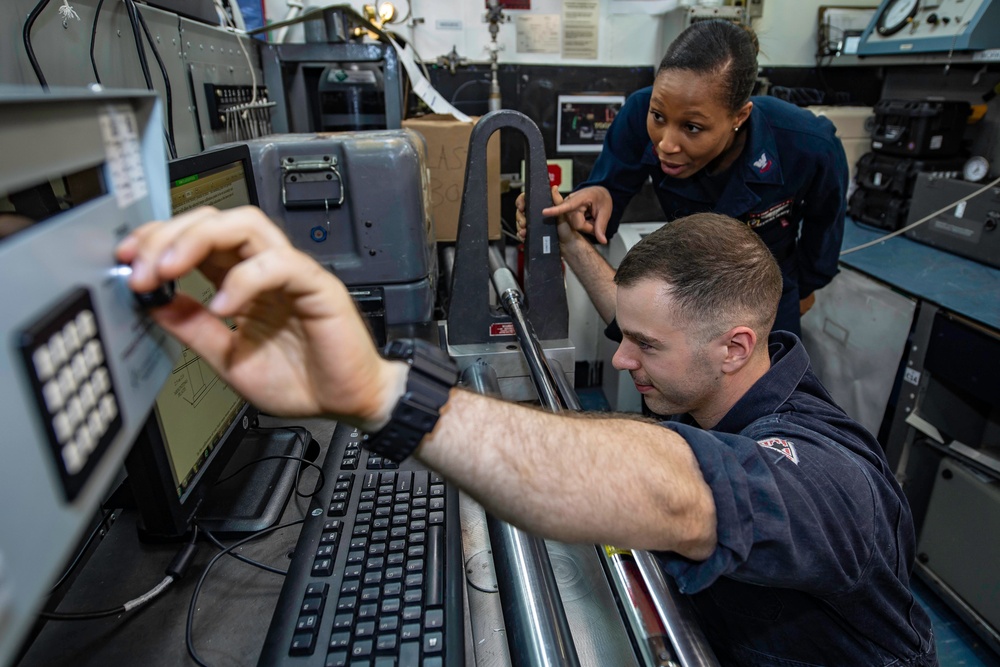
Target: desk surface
{"points": [[234, 606], [959, 285]]}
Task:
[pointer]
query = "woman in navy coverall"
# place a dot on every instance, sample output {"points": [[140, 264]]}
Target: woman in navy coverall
{"points": [[709, 146]]}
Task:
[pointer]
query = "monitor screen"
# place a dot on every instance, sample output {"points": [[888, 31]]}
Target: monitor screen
{"points": [[198, 421]]}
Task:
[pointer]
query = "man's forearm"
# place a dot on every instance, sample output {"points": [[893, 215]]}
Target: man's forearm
{"points": [[617, 481], [594, 273]]}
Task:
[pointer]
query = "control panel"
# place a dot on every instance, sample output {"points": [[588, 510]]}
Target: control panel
{"points": [[80, 361], [900, 27]]}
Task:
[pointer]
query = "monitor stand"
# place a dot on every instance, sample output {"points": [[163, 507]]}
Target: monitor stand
{"points": [[255, 497]]}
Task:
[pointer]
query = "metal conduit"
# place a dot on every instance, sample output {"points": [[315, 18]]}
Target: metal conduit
{"points": [[537, 629], [509, 293], [683, 629]]}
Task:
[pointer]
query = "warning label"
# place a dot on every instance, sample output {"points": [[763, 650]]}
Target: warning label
{"points": [[502, 329]]}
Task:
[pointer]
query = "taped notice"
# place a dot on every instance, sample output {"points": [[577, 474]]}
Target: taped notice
{"points": [[120, 133], [422, 88], [580, 22]]}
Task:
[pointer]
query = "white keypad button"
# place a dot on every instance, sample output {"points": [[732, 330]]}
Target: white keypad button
{"points": [[86, 325], [62, 427], [53, 396], [66, 382], [79, 367], [85, 440], [87, 396], [102, 424], [70, 337], [74, 410], [108, 407], [57, 347], [72, 458], [44, 367], [93, 354], [101, 381]]}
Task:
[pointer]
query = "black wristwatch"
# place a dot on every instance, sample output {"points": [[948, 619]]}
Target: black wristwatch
{"points": [[432, 375]]}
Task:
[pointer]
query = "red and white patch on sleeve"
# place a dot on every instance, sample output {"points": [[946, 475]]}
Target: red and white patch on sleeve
{"points": [[785, 447]]}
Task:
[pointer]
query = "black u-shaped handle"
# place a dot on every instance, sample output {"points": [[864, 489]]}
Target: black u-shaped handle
{"points": [[471, 320]]}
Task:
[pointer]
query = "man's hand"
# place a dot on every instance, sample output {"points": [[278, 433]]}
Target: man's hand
{"points": [[299, 347], [587, 211], [806, 303]]}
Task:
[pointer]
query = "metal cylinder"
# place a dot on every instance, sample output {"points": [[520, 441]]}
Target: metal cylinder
{"points": [[511, 299], [685, 633], [537, 629]]}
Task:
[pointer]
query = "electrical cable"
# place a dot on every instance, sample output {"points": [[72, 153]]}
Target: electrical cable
{"points": [[133, 19], [93, 39], [319, 482], [79, 554], [176, 570], [26, 36], [189, 630], [249, 561], [166, 85], [922, 220], [465, 85], [131, 10]]}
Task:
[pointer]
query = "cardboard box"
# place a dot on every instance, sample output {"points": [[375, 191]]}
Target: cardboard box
{"points": [[447, 146]]}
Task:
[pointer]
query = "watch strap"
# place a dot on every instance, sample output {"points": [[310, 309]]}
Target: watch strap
{"points": [[430, 379]]}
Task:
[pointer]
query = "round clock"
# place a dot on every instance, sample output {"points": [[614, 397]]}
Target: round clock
{"points": [[896, 16], [976, 169]]}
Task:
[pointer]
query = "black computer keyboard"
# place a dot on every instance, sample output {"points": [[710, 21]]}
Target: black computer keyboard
{"points": [[377, 574]]}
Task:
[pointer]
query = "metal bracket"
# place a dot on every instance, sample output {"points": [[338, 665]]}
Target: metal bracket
{"points": [[470, 318]]}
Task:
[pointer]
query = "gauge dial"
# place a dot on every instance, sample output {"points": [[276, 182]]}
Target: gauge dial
{"points": [[895, 16], [976, 169]]}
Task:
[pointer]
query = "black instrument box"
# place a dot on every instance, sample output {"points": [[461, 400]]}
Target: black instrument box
{"points": [[878, 209], [920, 128], [896, 175]]}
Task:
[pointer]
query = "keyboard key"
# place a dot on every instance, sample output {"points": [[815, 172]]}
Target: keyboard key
{"points": [[409, 654], [303, 643], [362, 648], [385, 643], [340, 640], [307, 623], [336, 659], [435, 566], [433, 642], [364, 629], [433, 618]]}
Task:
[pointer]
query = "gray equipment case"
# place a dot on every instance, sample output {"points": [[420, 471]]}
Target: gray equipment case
{"points": [[356, 202], [968, 228]]}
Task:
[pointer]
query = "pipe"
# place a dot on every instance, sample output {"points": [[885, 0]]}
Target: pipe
{"points": [[509, 293], [538, 632], [682, 627]]}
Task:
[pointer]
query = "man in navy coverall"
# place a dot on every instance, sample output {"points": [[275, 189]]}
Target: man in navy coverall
{"points": [[773, 510]]}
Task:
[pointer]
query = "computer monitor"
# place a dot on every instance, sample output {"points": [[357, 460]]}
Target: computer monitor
{"points": [[198, 422]]}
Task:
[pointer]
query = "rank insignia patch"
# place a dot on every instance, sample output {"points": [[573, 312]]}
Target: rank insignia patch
{"points": [[785, 447]]}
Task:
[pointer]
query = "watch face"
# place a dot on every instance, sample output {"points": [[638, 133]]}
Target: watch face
{"points": [[975, 169], [895, 16]]}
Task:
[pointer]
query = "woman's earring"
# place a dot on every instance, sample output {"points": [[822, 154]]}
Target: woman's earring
{"points": [[736, 129]]}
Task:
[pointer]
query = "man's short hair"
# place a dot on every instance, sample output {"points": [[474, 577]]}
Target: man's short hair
{"points": [[717, 269]]}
